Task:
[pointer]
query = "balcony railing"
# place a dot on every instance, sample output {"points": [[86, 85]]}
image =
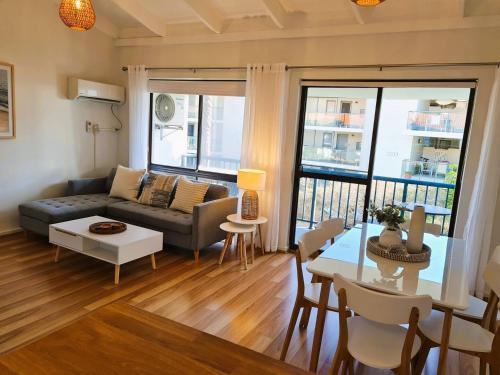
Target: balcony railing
{"points": [[335, 120], [444, 122], [330, 155], [211, 163], [319, 200]]}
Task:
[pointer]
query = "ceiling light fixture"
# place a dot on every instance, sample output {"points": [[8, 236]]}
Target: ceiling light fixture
{"points": [[367, 3], [77, 14]]}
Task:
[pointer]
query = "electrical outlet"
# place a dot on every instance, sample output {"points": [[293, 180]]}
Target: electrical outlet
{"points": [[88, 126]]}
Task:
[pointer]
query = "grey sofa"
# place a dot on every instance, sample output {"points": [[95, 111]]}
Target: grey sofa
{"points": [[88, 197]]}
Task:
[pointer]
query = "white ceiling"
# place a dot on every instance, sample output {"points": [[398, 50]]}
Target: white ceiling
{"points": [[136, 22]]}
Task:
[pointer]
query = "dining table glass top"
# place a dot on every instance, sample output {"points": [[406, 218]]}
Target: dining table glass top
{"points": [[443, 277]]}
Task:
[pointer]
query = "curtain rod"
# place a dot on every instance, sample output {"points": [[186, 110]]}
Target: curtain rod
{"points": [[369, 66]]}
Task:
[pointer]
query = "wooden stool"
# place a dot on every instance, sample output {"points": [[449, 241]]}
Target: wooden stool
{"points": [[240, 230]]}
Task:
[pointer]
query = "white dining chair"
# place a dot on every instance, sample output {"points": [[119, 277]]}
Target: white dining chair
{"points": [[375, 336], [477, 306], [307, 293], [479, 340], [334, 227], [430, 228]]}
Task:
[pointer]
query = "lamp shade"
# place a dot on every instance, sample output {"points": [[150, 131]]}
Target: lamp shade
{"points": [[77, 14], [251, 179]]}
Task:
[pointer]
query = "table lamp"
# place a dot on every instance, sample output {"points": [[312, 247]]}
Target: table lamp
{"points": [[250, 180]]}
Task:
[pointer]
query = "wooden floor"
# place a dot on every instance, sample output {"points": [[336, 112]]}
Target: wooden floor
{"points": [[250, 308], [159, 346]]}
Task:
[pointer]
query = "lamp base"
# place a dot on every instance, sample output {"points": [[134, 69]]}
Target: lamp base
{"points": [[250, 205]]}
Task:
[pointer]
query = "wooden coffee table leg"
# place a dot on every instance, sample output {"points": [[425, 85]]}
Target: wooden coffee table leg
{"points": [[227, 242], [117, 273], [261, 241], [56, 258], [153, 261], [243, 251], [252, 245]]}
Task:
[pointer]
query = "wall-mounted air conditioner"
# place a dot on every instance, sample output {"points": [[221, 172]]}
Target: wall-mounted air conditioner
{"points": [[102, 92]]}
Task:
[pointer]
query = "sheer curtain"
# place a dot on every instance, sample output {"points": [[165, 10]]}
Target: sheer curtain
{"points": [[263, 137], [478, 229], [138, 99]]}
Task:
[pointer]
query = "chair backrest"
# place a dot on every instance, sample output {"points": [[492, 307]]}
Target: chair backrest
{"points": [[380, 307], [334, 226], [492, 272], [311, 242], [430, 228]]}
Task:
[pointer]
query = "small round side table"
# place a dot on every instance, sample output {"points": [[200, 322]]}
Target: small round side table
{"points": [[237, 219], [240, 230]]}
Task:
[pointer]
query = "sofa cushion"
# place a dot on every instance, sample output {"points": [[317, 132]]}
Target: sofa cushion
{"points": [[56, 210], [161, 218], [216, 191]]}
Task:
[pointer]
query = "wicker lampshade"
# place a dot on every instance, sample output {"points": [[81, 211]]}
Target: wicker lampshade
{"points": [[77, 14], [367, 3]]}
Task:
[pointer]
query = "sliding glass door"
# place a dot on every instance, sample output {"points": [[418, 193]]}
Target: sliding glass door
{"points": [[382, 143]]}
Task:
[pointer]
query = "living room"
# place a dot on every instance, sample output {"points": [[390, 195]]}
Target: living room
{"points": [[230, 148]]}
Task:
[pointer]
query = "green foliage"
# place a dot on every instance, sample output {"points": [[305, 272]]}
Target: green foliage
{"points": [[390, 214]]}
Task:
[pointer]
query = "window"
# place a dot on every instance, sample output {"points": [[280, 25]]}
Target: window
{"points": [[196, 135], [222, 126]]}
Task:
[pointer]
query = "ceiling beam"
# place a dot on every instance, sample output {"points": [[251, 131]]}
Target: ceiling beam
{"points": [[137, 11], [356, 10], [276, 11], [326, 31], [209, 15]]}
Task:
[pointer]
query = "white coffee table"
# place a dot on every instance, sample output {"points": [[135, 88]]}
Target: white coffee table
{"points": [[117, 249]]}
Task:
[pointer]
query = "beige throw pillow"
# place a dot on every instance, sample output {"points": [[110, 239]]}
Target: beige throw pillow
{"points": [[188, 194], [126, 183], [157, 190]]}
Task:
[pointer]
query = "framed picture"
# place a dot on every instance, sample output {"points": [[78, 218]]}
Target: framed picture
{"points": [[7, 118]]}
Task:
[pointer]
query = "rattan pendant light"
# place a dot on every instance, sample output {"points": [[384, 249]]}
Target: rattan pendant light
{"points": [[77, 14], [367, 3]]}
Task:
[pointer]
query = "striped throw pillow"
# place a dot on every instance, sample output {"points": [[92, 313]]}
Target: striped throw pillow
{"points": [[188, 194], [158, 190]]}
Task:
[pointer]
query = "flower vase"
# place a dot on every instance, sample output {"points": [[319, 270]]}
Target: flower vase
{"points": [[390, 237], [416, 231]]}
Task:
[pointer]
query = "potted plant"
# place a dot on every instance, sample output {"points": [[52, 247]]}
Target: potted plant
{"points": [[390, 216]]}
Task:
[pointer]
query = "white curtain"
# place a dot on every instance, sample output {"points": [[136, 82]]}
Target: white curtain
{"points": [[138, 99], [263, 137], [478, 229]]}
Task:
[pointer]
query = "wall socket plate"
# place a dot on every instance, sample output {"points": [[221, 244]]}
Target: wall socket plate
{"points": [[88, 126]]}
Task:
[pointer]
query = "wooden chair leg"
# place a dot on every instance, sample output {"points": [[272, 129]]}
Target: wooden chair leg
{"points": [[422, 356], [291, 327], [339, 358], [306, 313], [196, 255], [482, 367]]}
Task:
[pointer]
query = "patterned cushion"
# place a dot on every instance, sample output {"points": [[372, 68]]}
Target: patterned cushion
{"points": [[188, 194], [157, 190]]}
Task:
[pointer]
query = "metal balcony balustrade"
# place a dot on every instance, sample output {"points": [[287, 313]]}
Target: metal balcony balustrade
{"points": [[443, 122], [335, 120], [322, 199]]}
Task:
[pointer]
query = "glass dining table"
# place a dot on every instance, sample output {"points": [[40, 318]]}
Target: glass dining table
{"points": [[443, 277]]}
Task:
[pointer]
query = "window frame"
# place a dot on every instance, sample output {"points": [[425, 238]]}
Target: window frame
{"points": [[196, 173]]}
